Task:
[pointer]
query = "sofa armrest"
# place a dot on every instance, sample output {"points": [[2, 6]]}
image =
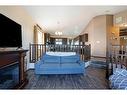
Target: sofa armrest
{"points": [[81, 63], [38, 63]]}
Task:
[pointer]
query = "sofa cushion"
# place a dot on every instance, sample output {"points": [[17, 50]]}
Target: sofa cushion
{"points": [[70, 66], [123, 84], [51, 59], [113, 78], [118, 81], [122, 72], [70, 59], [50, 66]]}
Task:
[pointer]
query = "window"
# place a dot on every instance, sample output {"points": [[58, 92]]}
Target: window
{"points": [[38, 35], [58, 41]]}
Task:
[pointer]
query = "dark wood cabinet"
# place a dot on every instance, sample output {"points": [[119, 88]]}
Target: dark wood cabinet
{"points": [[9, 57]]}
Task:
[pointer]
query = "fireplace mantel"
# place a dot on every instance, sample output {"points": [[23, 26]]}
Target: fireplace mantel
{"points": [[9, 57]]}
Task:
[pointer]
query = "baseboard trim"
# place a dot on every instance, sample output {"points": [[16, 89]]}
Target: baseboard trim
{"points": [[98, 57], [30, 69]]}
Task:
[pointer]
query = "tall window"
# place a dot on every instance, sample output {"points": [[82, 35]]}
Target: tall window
{"points": [[38, 35]]}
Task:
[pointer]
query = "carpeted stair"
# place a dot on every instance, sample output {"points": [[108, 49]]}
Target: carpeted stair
{"points": [[98, 64]]}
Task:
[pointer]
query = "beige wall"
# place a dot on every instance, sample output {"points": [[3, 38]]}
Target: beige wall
{"points": [[20, 16], [97, 35]]}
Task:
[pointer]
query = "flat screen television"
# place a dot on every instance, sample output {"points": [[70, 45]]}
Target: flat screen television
{"points": [[10, 33]]}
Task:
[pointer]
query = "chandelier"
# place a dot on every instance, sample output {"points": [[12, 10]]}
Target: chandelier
{"points": [[58, 33]]}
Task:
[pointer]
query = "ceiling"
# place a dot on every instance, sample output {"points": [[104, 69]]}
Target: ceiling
{"points": [[71, 20]]}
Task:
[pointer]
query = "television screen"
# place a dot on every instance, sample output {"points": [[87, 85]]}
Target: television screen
{"points": [[10, 33]]}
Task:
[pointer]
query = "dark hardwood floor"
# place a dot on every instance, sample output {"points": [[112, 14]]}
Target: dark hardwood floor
{"points": [[94, 79]]}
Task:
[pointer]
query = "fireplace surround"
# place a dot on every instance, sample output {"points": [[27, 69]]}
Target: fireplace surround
{"points": [[12, 69], [9, 76]]}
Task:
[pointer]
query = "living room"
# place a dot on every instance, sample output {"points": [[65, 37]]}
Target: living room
{"points": [[101, 27]]}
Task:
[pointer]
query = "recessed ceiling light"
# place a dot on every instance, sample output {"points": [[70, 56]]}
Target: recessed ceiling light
{"points": [[107, 11], [58, 22], [97, 42]]}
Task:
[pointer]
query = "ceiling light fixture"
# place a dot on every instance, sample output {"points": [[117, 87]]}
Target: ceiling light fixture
{"points": [[58, 32]]}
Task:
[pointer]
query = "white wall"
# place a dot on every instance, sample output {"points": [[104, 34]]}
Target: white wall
{"points": [[99, 36], [19, 15], [96, 30]]}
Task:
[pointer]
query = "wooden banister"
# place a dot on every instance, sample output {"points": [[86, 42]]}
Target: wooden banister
{"points": [[37, 50]]}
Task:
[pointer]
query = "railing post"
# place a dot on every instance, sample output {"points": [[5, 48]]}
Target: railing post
{"points": [[30, 52], [40, 51], [45, 47], [108, 60], [126, 63]]}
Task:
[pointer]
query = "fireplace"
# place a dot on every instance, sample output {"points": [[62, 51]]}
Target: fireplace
{"points": [[9, 76], [12, 69]]}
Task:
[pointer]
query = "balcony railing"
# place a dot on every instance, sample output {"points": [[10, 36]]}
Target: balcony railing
{"points": [[37, 50], [117, 59]]}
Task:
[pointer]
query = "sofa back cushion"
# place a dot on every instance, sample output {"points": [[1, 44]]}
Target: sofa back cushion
{"points": [[51, 59], [70, 59], [122, 72]]}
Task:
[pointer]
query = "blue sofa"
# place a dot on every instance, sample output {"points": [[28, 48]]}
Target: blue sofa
{"points": [[60, 65]]}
